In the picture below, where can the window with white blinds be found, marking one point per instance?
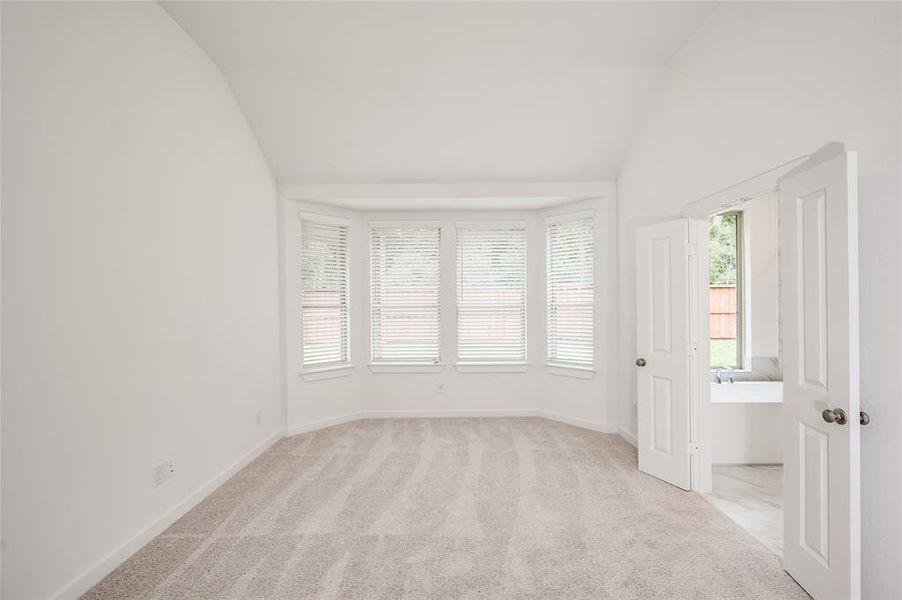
(570, 291)
(404, 288)
(324, 293)
(491, 294)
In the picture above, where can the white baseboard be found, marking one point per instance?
(105, 566)
(629, 437)
(433, 414)
(323, 423)
(408, 414)
(576, 422)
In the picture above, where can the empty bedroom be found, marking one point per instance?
(446, 299)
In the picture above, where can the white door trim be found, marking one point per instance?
(699, 372)
(739, 193)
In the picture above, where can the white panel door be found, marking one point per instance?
(821, 518)
(662, 343)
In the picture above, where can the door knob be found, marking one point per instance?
(837, 415)
(864, 418)
(640, 362)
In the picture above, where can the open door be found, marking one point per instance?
(662, 342)
(821, 519)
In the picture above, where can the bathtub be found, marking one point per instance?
(746, 422)
(747, 391)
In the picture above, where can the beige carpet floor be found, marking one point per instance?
(450, 508)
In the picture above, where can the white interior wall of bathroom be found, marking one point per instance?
(587, 402)
(760, 84)
(762, 239)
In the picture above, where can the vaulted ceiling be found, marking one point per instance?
(376, 92)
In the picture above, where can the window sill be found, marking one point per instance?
(570, 370)
(407, 367)
(492, 367)
(326, 372)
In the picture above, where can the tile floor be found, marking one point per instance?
(752, 495)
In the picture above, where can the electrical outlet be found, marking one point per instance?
(441, 388)
(259, 417)
(162, 472)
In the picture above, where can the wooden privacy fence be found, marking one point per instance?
(722, 312)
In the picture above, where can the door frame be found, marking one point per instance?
(698, 213)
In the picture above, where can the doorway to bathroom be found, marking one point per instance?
(746, 383)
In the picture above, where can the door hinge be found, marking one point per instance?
(694, 448)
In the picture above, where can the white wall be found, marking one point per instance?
(589, 402)
(140, 302)
(761, 240)
(758, 85)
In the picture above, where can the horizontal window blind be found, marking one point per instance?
(571, 292)
(404, 287)
(324, 293)
(491, 294)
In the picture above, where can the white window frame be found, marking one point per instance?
(382, 366)
(743, 295)
(489, 366)
(553, 365)
(337, 368)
